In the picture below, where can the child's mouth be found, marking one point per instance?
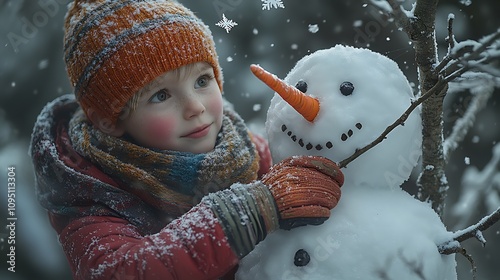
(199, 132)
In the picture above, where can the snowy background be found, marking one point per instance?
(32, 73)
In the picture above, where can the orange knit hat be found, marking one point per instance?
(115, 47)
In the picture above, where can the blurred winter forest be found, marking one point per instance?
(32, 73)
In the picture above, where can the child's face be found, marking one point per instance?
(178, 112)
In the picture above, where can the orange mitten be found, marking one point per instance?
(305, 189)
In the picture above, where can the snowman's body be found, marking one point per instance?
(377, 231)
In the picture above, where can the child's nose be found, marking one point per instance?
(193, 106)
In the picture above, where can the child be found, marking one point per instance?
(147, 174)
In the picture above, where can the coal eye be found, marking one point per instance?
(346, 88)
(302, 86)
(302, 258)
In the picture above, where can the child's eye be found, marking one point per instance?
(203, 81)
(159, 96)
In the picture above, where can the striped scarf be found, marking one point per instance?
(171, 181)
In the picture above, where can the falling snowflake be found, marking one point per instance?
(226, 23)
(313, 28)
(466, 2)
(268, 4)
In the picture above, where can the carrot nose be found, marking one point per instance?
(305, 105)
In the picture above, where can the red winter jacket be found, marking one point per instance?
(191, 247)
(112, 245)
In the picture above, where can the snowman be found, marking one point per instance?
(332, 103)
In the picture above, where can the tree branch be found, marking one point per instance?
(453, 246)
(478, 186)
(463, 252)
(400, 121)
(432, 183)
(459, 57)
(397, 13)
(450, 246)
(451, 44)
(451, 37)
(462, 125)
(475, 230)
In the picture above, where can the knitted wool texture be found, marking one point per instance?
(170, 180)
(114, 48)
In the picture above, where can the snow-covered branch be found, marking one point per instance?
(480, 79)
(394, 10)
(475, 186)
(477, 229)
(481, 95)
(455, 248)
(453, 245)
(470, 55)
(479, 186)
(451, 45)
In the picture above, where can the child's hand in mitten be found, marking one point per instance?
(305, 189)
(298, 191)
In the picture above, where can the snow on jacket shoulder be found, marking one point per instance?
(108, 233)
(191, 247)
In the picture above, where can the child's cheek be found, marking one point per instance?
(215, 106)
(160, 128)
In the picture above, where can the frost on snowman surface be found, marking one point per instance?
(269, 4)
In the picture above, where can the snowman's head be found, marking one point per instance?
(350, 96)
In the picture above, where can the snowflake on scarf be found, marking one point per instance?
(268, 4)
(225, 23)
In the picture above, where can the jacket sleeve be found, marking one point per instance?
(264, 153)
(191, 247)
